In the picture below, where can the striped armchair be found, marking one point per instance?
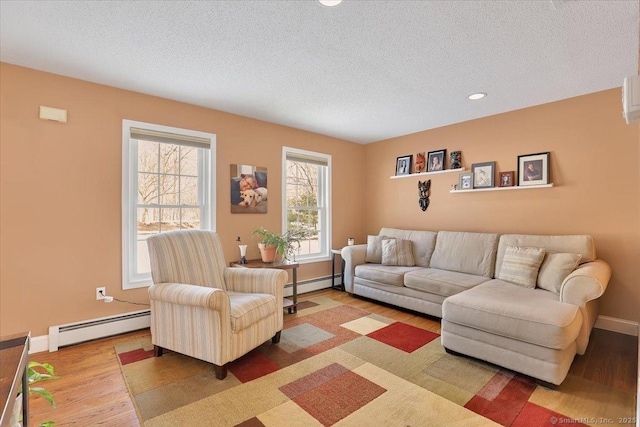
(201, 308)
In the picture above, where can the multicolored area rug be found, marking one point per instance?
(340, 365)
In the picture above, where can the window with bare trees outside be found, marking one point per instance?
(307, 187)
(167, 185)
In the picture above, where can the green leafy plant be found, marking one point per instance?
(286, 244)
(36, 376)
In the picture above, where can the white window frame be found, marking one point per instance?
(206, 184)
(324, 199)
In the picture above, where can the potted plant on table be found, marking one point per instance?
(273, 245)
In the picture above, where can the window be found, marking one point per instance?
(307, 187)
(166, 185)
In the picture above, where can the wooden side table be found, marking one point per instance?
(14, 358)
(339, 286)
(290, 304)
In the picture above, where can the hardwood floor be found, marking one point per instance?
(92, 392)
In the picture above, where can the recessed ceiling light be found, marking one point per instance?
(329, 3)
(478, 95)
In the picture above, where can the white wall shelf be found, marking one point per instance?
(524, 187)
(427, 173)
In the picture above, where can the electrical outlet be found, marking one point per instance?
(101, 296)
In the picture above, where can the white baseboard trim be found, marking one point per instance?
(309, 286)
(613, 324)
(39, 344)
(77, 332)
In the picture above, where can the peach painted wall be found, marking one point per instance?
(595, 163)
(61, 192)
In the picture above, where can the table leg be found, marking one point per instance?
(294, 284)
(25, 397)
(333, 269)
(25, 386)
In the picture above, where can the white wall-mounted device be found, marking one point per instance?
(53, 114)
(631, 99)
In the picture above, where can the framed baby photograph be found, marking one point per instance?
(483, 174)
(507, 179)
(533, 169)
(466, 181)
(403, 165)
(435, 160)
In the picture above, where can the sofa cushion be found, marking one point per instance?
(423, 242)
(530, 315)
(471, 253)
(441, 282)
(387, 274)
(249, 309)
(397, 252)
(520, 266)
(574, 244)
(374, 249)
(555, 268)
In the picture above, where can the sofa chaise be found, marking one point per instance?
(524, 302)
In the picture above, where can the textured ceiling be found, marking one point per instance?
(363, 71)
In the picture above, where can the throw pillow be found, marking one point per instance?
(374, 249)
(397, 252)
(520, 265)
(555, 268)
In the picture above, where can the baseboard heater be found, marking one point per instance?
(74, 333)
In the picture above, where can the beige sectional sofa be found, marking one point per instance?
(524, 302)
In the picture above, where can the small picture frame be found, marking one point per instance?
(533, 169)
(466, 181)
(483, 174)
(455, 160)
(435, 160)
(403, 165)
(421, 163)
(507, 179)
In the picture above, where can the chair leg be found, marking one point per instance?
(157, 351)
(221, 371)
(276, 337)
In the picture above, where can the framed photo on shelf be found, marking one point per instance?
(403, 165)
(466, 181)
(421, 163)
(483, 174)
(507, 179)
(455, 160)
(435, 160)
(533, 169)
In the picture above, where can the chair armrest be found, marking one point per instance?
(256, 280)
(193, 295)
(586, 283)
(352, 255)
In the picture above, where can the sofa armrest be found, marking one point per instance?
(352, 255)
(256, 280)
(191, 295)
(586, 283)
